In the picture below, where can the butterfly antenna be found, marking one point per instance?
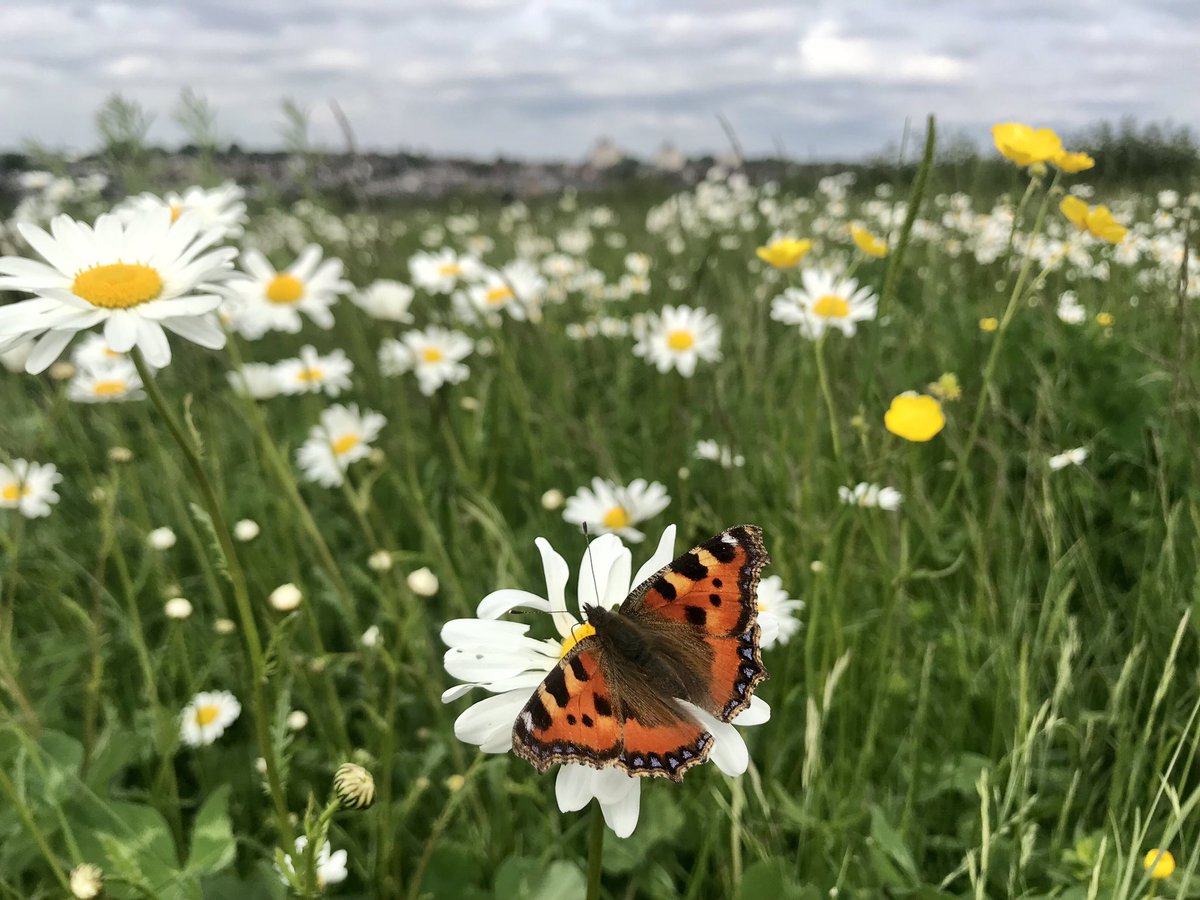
(587, 546)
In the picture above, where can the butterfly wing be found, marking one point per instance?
(712, 589)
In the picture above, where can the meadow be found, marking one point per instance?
(253, 564)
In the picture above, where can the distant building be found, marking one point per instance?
(605, 154)
(669, 159)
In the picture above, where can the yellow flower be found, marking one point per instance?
(1159, 863)
(1105, 320)
(914, 417)
(1073, 162)
(784, 253)
(868, 243)
(990, 324)
(1024, 145)
(946, 387)
(1098, 221)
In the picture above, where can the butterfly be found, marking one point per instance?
(688, 632)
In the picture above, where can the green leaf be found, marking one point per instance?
(523, 876)
(888, 840)
(765, 878)
(213, 846)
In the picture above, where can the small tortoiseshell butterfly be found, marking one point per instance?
(689, 632)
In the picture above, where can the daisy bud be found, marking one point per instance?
(377, 457)
(552, 499)
(178, 608)
(61, 371)
(87, 881)
(370, 637)
(98, 495)
(455, 783)
(816, 567)
(260, 766)
(423, 582)
(380, 561)
(286, 597)
(161, 538)
(354, 786)
(120, 454)
(317, 665)
(245, 530)
(297, 720)
(224, 626)
(684, 473)
(470, 404)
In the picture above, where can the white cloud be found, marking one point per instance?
(824, 53)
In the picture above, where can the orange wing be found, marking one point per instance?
(666, 750)
(713, 588)
(572, 716)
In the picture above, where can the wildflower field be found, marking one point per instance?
(303, 509)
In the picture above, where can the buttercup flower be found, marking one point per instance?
(312, 373)
(784, 252)
(777, 612)
(136, 279)
(1097, 221)
(265, 300)
(871, 496)
(678, 338)
(868, 243)
(989, 324)
(499, 656)
(1073, 162)
(914, 417)
(434, 355)
(386, 300)
(1160, 864)
(343, 436)
(1024, 145)
(207, 716)
(826, 300)
(29, 487)
(610, 508)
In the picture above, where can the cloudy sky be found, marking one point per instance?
(544, 78)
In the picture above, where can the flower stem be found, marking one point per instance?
(9, 790)
(241, 594)
(828, 395)
(595, 852)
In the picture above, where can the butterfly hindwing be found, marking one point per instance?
(573, 716)
(668, 749)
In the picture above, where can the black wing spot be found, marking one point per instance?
(603, 707)
(570, 719)
(556, 686)
(665, 588)
(587, 721)
(538, 714)
(696, 616)
(689, 566)
(578, 669)
(717, 582)
(722, 551)
(714, 599)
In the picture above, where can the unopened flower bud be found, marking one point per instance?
(354, 786)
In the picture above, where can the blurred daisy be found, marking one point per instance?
(207, 716)
(609, 507)
(136, 279)
(312, 373)
(29, 487)
(266, 300)
(1069, 309)
(222, 208)
(330, 867)
(871, 496)
(1075, 457)
(259, 381)
(826, 300)
(443, 271)
(110, 382)
(343, 436)
(386, 300)
(516, 289)
(678, 338)
(498, 656)
(434, 355)
(714, 452)
(777, 612)
(93, 352)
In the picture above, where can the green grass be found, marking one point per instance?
(994, 693)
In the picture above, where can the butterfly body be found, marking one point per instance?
(686, 635)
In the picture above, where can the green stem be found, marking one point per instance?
(896, 258)
(10, 791)
(241, 594)
(827, 393)
(595, 851)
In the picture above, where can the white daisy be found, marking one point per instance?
(777, 612)
(1069, 309)
(443, 271)
(679, 337)
(137, 279)
(257, 380)
(435, 355)
(826, 300)
(93, 352)
(109, 382)
(207, 716)
(312, 373)
(871, 496)
(386, 300)
(497, 655)
(330, 867)
(516, 289)
(14, 360)
(343, 436)
(219, 208)
(610, 508)
(711, 450)
(1075, 457)
(29, 487)
(265, 300)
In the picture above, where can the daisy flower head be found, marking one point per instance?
(207, 716)
(92, 352)
(608, 507)
(386, 300)
(1074, 457)
(312, 373)
(1069, 309)
(826, 300)
(777, 612)
(714, 452)
(443, 271)
(29, 487)
(343, 436)
(678, 338)
(222, 208)
(110, 382)
(139, 280)
(871, 496)
(435, 355)
(263, 299)
(516, 289)
(499, 656)
(328, 866)
(259, 381)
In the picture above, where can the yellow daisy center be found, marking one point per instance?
(831, 306)
(285, 288)
(112, 388)
(578, 633)
(450, 270)
(432, 355)
(117, 285)
(682, 339)
(498, 294)
(12, 492)
(616, 518)
(207, 714)
(310, 375)
(345, 444)
(176, 212)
